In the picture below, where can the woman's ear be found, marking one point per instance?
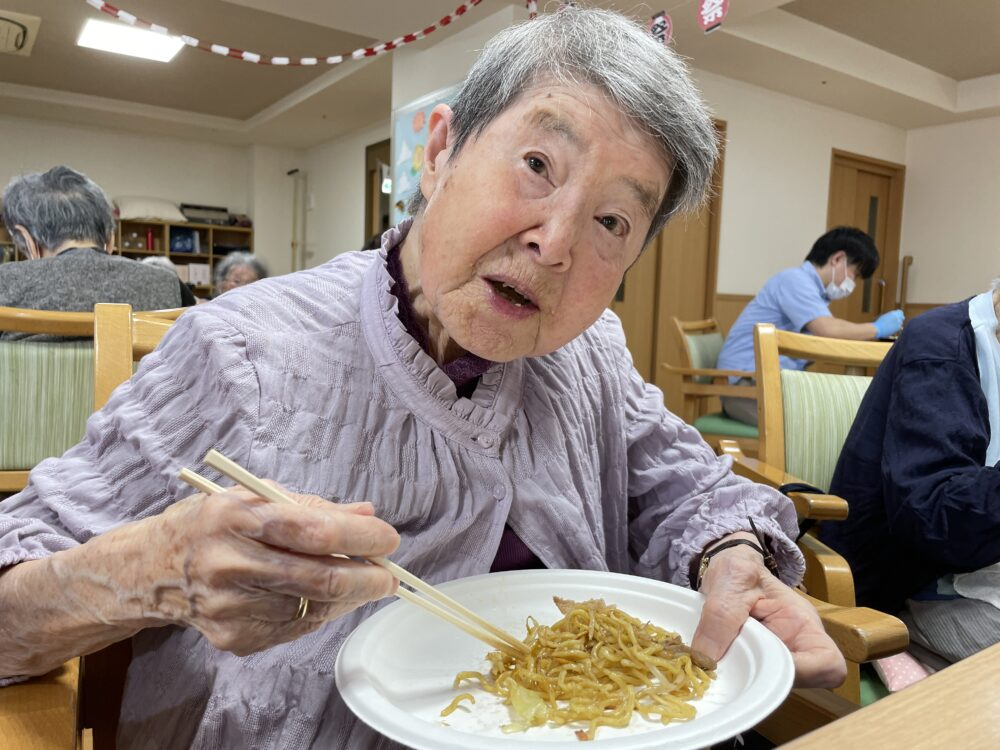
(437, 150)
(29, 242)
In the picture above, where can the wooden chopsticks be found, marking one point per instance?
(473, 624)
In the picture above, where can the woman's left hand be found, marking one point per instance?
(736, 585)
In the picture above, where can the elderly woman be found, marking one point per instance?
(237, 269)
(162, 261)
(459, 400)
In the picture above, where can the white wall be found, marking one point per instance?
(418, 70)
(248, 180)
(335, 171)
(271, 196)
(129, 164)
(777, 175)
(951, 209)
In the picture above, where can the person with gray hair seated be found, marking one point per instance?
(162, 261)
(65, 224)
(237, 269)
(461, 399)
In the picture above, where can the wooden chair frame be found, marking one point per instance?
(694, 393)
(78, 704)
(19, 320)
(769, 344)
(862, 634)
(80, 324)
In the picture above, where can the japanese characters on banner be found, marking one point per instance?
(711, 14)
(661, 27)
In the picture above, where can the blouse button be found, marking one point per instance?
(499, 491)
(485, 440)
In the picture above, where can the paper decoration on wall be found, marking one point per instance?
(661, 27)
(711, 14)
(409, 134)
(254, 57)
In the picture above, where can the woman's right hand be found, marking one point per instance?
(234, 565)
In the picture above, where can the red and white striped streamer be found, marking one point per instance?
(253, 57)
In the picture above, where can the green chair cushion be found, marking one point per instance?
(872, 687)
(819, 411)
(47, 394)
(704, 350)
(720, 424)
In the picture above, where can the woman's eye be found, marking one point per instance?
(613, 224)
(536, 165)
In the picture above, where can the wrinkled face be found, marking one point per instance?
(527, 233)
(237, 276)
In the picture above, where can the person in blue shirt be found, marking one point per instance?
(797, 299)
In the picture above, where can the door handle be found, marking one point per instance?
(880, 307)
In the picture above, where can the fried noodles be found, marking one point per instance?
(596, 666)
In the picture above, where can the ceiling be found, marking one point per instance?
(910, 63)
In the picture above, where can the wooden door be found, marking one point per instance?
(635, 304)
(868, 194)
(376, 202)
(675, 276)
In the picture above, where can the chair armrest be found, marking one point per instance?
(819, 507)
(42, 712)
(807, 505)
(828, 577)
(862, 634)
(707, 372)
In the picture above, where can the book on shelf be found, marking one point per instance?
(199, 274)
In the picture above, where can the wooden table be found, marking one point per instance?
(41, 714)
(958, 707)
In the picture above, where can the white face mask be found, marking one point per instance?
(841, 290)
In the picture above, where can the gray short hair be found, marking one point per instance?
(648, 82)
(55, 206)
(160, 261)
(235, 260)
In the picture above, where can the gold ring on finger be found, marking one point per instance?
(300, 613)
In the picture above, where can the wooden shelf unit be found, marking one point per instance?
(210, 242)
(214, 241)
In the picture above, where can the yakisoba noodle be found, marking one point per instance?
(596, 666)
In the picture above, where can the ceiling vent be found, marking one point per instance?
(18, 32)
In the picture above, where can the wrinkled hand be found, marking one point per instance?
(234, 566)
(736, 586)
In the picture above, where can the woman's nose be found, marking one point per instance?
(554, 235)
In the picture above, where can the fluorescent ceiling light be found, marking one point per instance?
(110, 36)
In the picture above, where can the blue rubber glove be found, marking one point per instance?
(889, 323)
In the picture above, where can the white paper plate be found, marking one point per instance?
(396, 670)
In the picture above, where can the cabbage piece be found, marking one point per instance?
(527, 709)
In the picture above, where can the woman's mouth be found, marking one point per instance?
(510, 293)
(511, 300)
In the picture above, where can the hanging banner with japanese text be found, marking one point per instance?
(661, 27)
(711, 14)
